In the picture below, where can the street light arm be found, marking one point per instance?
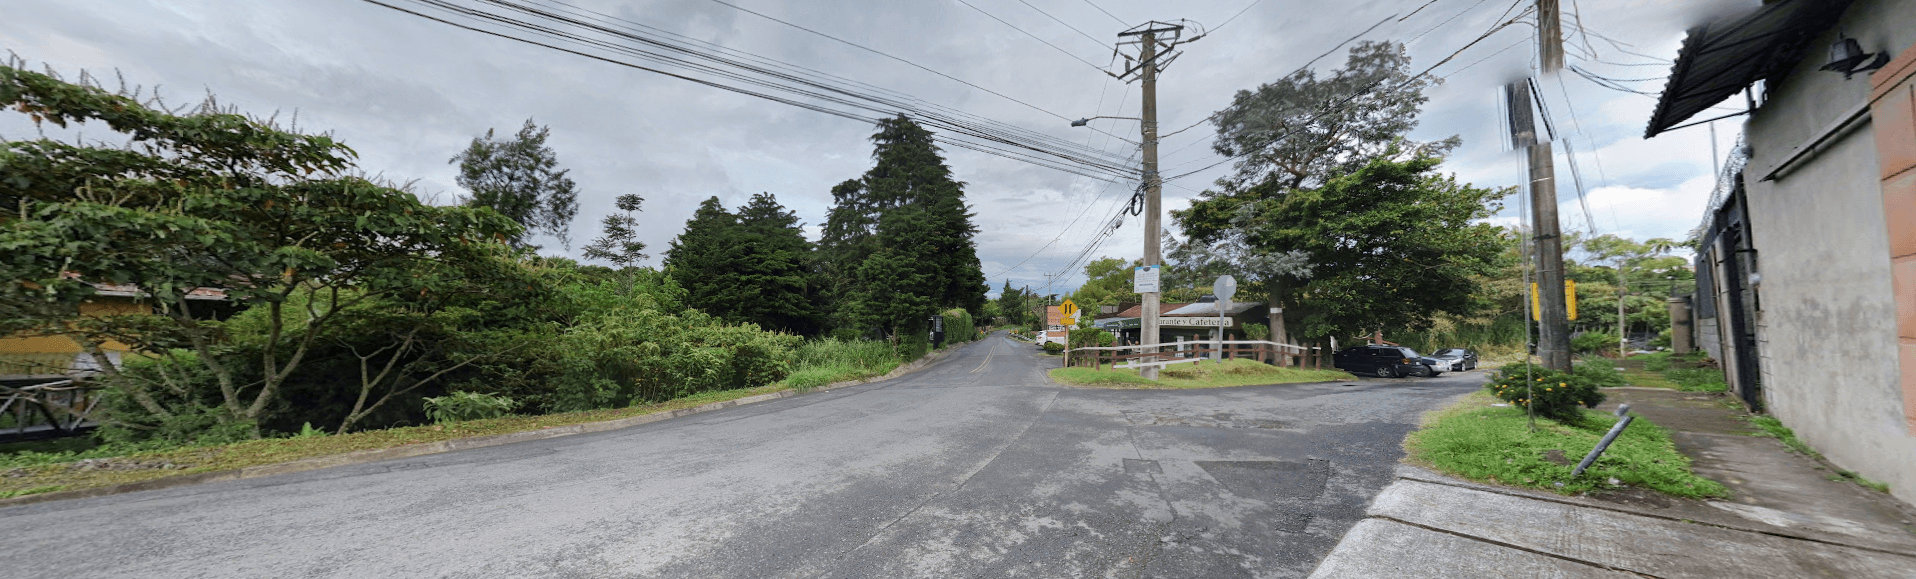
(1085, 121)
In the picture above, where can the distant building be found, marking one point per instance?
(30, 356)
(1806, 276)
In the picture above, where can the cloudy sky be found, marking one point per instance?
(407, 93)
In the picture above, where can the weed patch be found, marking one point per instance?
(1198, 375)
(1480, 442)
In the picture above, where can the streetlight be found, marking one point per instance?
(1085, 121)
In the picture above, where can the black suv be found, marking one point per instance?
(1384, 361)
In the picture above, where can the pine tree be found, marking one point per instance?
(899, 239)
(750, 266)
(772, 265)
(702, 256)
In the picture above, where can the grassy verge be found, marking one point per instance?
(1773, 428)
(77, 463)
(1481, 442)
(1689, 373)
(1198, 375)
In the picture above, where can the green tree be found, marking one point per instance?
(750, 266)
(212, 199)
(909, 215)
(1107, 282)
(520, 178)
(1392, 245)
(1014, 304)
(620, 242)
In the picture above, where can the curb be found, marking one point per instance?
(444, 446)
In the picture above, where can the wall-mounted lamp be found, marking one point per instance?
(1847, 57)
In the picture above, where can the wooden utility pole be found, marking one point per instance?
(1553, 335)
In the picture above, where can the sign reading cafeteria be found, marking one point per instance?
(1196, 322)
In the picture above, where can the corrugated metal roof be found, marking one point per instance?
(1721, 58)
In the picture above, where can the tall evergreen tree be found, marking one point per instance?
(701, 257)
(899, 240)
(749, 266)
(773, 268)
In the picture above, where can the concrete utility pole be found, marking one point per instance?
(1553, 335)
(1153, 183)
(1549, 35)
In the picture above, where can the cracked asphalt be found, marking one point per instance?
(975, 467)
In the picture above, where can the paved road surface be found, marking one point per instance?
(975, 467)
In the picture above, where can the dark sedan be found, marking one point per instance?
(1457, 359)
(1385, 361)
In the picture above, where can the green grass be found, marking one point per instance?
(1773, 428)
(824, 361)
(1480, 442)
(1198, 375)
(1688, 373)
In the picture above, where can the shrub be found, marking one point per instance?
(1657, 362)
(1593, 343)
(1698, 379)
(463, 406)
(1600, 373)
(1053, 347)
(959, 327)
(1090, 338)
(1257, 331)
(1556, 394)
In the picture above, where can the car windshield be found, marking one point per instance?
(1450, 352)
(1409, 353)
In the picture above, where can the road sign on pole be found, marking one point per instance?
(1225, 287)
(1144, 279)
(1068, 313)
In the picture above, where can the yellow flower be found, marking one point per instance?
(1560, 384)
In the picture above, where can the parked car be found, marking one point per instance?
(1456, 359)
(1386, 362)
(1052, 336)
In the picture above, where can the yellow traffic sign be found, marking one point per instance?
(1068, 312)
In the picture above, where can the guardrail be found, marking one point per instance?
(1276, 353)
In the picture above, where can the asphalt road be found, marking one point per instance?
(974, 467)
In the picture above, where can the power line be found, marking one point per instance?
(767, 79)
(1299, 69)
(1114, 17)
(1227, 21)
(1100, 43)
(1035, 37)
(1338, 106)
(881, 53)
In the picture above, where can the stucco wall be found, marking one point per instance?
(1827, 317)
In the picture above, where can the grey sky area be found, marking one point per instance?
(407, 93)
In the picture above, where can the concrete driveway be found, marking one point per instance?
(975, 467)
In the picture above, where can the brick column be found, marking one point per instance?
(1893, 116)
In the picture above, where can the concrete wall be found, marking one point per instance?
(1826, 322)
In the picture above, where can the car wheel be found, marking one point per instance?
(1386, 372)
(1427, 372)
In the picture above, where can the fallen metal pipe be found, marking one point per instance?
(1622, 412)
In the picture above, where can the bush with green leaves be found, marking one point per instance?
(1053, 347)
(1552, 394)
(464, 406)
(1593, 343)
(959, 327)
(1600, 372)
(1089, 338)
